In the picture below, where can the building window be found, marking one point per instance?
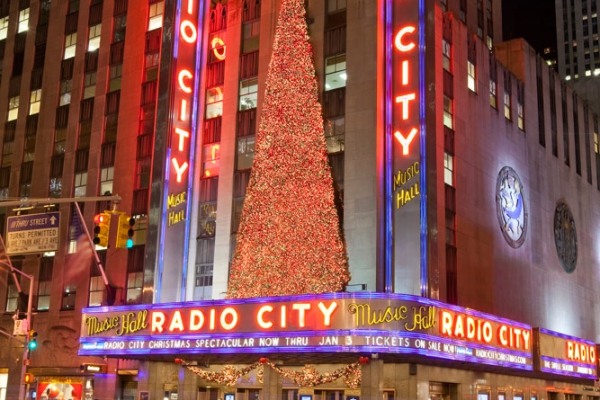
(45, 283)
(3, 28)
(248, 94)
(447, 56)
(507, 105)
(135, 274)
(65, 92)
(520, 117)
(13, 108)
(335, 72)
(214, 102)
(471, 78)
(70, 45)
(89, 85)
(155, 16)
(251, 39)
(143, 169)
(448, 115)
(448, 169)
(106, 180)
(115, 73)
(335, 5)
(96, 291)
(35, 100)
(23, 20)
(211, 157)
(245, 152)
(80, 184)
(94, 37)
(493, 97)
(335, 130)
(12, 298)
(68, 297)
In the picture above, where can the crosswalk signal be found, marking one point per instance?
(32, 344)
(125, 232)
(28, 379)
(102, 229)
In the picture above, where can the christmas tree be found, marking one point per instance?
(289, 238)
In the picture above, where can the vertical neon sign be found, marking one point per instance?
(405, 266)
(180, 154)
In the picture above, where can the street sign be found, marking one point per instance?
(34, 233)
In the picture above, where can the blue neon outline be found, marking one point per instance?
(388, 154)
(423, 148)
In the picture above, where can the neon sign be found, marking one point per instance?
(180, 152)
(565, 355)
(339, 322)
(404, 151)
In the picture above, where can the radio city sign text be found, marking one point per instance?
(317, 315)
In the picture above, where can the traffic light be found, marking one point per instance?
(28, 379)
(125, 232)
(102, 229)
(32, 344)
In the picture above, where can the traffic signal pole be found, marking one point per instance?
(110, 290)
(13, 270)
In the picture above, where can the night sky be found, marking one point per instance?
(533, 20)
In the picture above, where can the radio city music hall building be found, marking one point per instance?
(469, 179)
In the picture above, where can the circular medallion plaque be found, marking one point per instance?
(565, 237)
(510, 207)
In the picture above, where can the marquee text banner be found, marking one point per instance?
(561, 354)
(342, 322)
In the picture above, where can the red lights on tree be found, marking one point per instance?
(289, 239)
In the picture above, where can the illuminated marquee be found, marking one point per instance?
(342, 322)
(565, 355)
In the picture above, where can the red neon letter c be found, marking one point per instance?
(399, 45)
(183, 74)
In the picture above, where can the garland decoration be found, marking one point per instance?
(308, 376)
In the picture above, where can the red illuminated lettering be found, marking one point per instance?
(183, 134)
(196, 320)
(176, 322)
(188, 31)
(401, 46)
(179, 169)
(581, 352)
(184, 74)
(404, 99)
(259, 317)
(158, 320)
(301, 308)
(327, 311)
(183, 111)
(233, 316)
(405, 141)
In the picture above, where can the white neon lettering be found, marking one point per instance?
(404, 99)
(259, 317)
(405, 73)
(158, 320)
(405, 142)
(183, 74)
(327, 311)
(176, 322)
(184, 28)
(196, 320)
(183, 111)
(180, 170)
(183, 134)
(234, 318)
(401, 46)
(301, 313)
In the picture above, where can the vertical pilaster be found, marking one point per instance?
(372, 380)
